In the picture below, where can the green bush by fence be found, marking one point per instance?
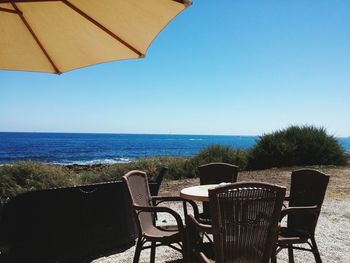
(28, 176)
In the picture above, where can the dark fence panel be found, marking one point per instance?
(66, 224)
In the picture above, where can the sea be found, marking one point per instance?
(89, 149)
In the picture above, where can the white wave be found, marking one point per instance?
(97, 161)
(195, 139)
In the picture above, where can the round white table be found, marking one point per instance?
(197, 193)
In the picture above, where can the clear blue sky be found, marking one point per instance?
(221, 67)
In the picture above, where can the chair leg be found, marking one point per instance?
(290, 254)
(315, 251)
(185, 249)
(274, 254)
(191, 240)
(274, 258)
(153, 252)
(138, 250)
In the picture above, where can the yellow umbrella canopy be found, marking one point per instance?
(60, 35)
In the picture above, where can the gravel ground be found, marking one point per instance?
(332, 232)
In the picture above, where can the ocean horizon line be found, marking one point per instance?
(131, 133)
(134, 133)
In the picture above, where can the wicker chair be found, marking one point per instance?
(244, 223)
(215, 173)
(144, 211)
(307, 191)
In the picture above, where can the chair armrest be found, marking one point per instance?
(299, 210)
(167, 198)
(162, 199)
(191, 221)
(161, 209)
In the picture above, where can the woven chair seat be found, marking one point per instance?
(287, 240)
(156, 233)
(289, 232)
(288, 236)
(171, 228)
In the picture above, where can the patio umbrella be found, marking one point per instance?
(60, 35)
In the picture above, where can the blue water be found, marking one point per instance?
(74, 148)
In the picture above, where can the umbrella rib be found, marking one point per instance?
(25, 1)
(20, 13)
(106, 30)
(184, 2)
(8, 10)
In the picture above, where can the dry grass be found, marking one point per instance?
(338, 187)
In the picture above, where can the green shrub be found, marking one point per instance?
(178, 169)
(28, 176)
(296, 145)
(216, 153)
(219, 153)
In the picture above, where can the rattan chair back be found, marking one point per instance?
(156, 183)
(214, 173)
(308, 188)
(139, 193)
(245, 221)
